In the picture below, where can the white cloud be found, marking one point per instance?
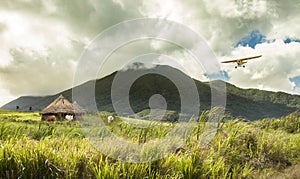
(167, 9)
(31, 35)
(221, 23)
(35, 52)
(184, 61)
(5, 96)
(270, 72)
(224, 23)
(44, 38)
(41, 41)
(234, 9)
(50, 7)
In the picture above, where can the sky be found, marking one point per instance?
(41, 41)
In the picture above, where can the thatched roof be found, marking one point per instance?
(62, 105)
(78, 109)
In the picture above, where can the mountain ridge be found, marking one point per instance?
(252, 104)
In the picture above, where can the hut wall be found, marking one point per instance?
(45, 116)
(58, 116)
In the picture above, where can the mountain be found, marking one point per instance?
(252, 104)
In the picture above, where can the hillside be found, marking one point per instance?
(252, 104)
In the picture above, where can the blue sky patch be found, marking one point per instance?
(289, 40)
(221, 75)
(296, 80)
(251, 40)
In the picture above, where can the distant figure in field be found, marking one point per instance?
(30, 108)
(50, 118)
(110, 119)
(17, 107)
(69, 117)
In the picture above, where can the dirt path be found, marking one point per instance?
(292, 172)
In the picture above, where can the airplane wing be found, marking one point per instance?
(249, 58)
(230, 61)
(242, 59)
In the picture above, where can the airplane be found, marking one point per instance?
(240, 62)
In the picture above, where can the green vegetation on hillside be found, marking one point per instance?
(260, 95)
(252, 104)
(36, 149)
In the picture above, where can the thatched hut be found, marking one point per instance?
(61, 108)
(78, 109)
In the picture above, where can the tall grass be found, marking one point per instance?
(290, 123)
(35, 149)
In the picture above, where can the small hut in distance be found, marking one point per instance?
(62, 109)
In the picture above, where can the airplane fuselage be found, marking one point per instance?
(240, 63)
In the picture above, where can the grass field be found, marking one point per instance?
(30, 148)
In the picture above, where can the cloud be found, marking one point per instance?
(272, 71)
(230, 26)
(219, 29)
(237, 9)
(224, 23)
(41, 40)
(35, 52)
(5, 96)
(86, 18)
(31, 73)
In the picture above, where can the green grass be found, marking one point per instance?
(290, 123)
(18, 116)
(36, 149)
